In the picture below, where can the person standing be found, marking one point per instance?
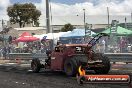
(4, 52)
(97, 48)
(103, 46)
(122, 45)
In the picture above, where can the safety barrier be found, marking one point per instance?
(26, 56)
(120, 57)
(114, 57)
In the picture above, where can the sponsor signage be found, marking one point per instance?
(103, 79)
(87, 29)
(88, 32)
(113, 29)
(114, 26)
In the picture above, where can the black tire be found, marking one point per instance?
(70, 67)
(105, 69)
(35, 65)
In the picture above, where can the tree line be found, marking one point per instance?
(28, 14)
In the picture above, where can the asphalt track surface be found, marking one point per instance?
(20, 76)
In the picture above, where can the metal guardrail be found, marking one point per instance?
(26, 56)
(120, 57)
(114, 57)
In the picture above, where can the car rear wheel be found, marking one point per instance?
(106, 66)
(70, 67)
(35, 65)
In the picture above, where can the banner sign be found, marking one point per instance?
(114, 26)
(103, 79)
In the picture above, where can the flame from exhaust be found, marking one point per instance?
(81, 71)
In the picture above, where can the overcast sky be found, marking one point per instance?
(73, 7)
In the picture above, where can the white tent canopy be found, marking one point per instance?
(78, 33)
(54, 36)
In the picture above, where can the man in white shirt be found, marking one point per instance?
(103, 46)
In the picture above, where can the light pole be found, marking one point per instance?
(47, 17)
(125, 22)
(131, 17)
(84, 24)
(2, 23)
(108, 16)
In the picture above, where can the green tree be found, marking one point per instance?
(67, 27)
(24, 14)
